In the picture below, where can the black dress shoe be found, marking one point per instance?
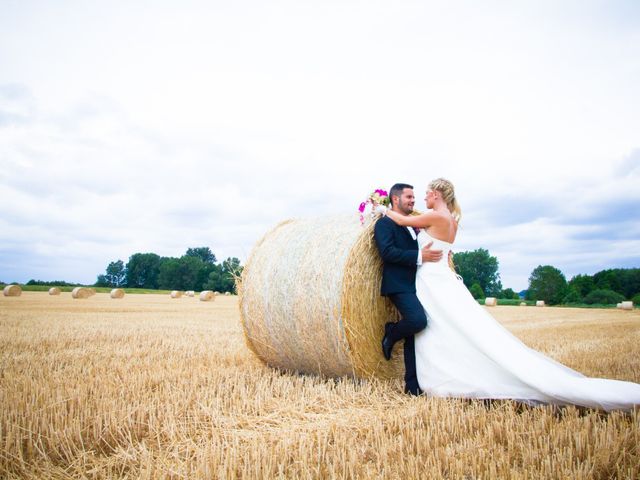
(387, 343)
(413, 390)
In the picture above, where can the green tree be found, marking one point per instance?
(608, 280)
(203, 275)
(509, 293)
(203, 253)
(625, 281)
(215, 280)
(53, 283)
(603, 297)
(222, 277)
(115, 275)
(142, 270)
(630, 282)
(231, 269)
(476, 291)
(572, 296)
(479, 267)
(547, 283)
(180, 273)
(583, 284)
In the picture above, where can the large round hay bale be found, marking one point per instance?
(540, 303)
(54, 291)
(207, 296)
(491, 301)
(117, 293)
(12, 291)
(523, 304)
(92, 291)
(626, 305)
(82, 292)
(176, 294)
(310, 299)
(190, 293)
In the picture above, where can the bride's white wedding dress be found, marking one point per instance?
(464, 352)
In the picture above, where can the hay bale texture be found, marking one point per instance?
(117, 293)
(207, 296)
(540, 303)
(12, 291)
(82, 292)
(626, 305)
(310, 300)
(54, 291)
(189, 293)
(176, 294)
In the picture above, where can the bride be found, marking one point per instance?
(465, 352)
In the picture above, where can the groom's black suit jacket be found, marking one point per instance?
(399, 252)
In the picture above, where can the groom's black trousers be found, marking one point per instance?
(413, 319)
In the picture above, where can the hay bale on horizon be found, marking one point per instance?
(626, 305)
(207, 296)
(82, 292)
(190, 293)
(523, 304)
(540, 303)
(117, 293)
(216, 293)
(12, 290)
(490, 301)
(310, 299)
(54, 291)
(176, 294)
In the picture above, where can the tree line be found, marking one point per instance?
(609, 286)
(196, 270)
(479, 271)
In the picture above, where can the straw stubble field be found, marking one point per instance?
(153, 387)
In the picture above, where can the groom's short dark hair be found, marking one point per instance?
(397, 190)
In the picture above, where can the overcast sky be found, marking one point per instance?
(133, 126)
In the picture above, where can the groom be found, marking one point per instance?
(398, 247)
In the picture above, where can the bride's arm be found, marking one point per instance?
(423, 220)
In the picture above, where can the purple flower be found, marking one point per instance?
(381, 192)
(362, 207)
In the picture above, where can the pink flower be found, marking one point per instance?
(362, 207)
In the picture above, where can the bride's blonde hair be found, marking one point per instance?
(445, 187)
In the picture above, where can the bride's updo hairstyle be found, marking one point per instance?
(445, 187)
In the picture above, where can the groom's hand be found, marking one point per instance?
(429, 255)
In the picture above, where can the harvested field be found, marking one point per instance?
(148, 387)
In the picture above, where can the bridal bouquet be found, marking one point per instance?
(377, 197)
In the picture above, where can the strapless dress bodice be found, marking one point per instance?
(443, 264)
